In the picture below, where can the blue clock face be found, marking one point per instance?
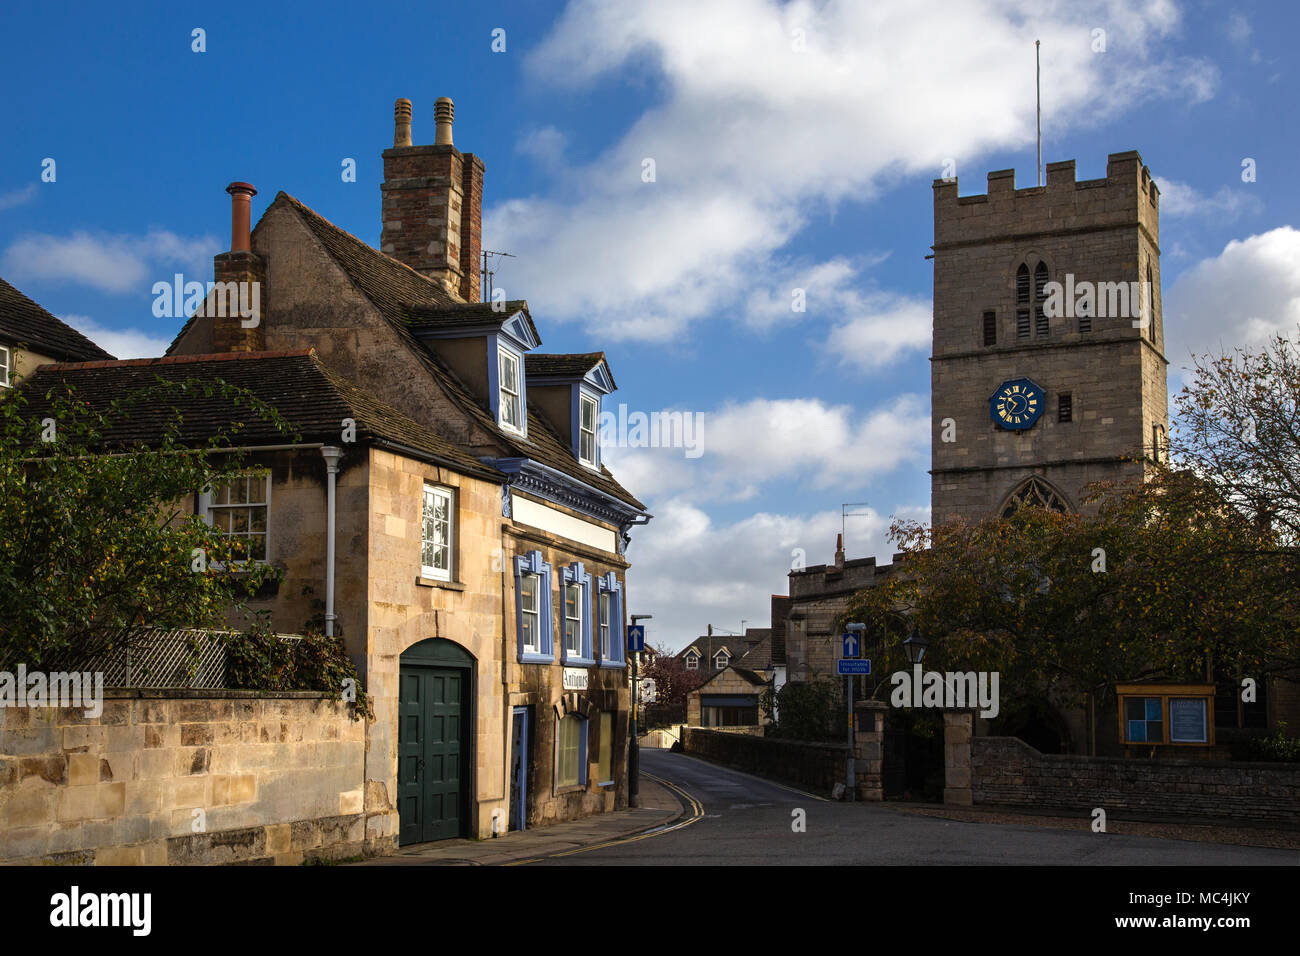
(1017, 404)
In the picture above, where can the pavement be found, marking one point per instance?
(659, 808)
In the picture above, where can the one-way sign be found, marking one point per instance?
(854, 667)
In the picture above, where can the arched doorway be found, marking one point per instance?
(435, 751)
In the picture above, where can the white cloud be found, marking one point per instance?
(753, 140)
(545, 144)
(18, 197)
(110, 263)
(889, 326)
(124, 343)
(745, 447)
(689, 571)
(1242, 296)
(1180, 200)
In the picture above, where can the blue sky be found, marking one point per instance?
(794, 148)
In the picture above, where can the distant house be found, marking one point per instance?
(30, 336)
(715, 652)
(732, 696)
(729, 699)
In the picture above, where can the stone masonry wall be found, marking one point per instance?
(1008, 772)
(815, 767)
(227, 777)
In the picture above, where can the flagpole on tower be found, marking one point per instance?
(1038, 96)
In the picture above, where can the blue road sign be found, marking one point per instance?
(854, 667)
(636, 637)
(850, 645)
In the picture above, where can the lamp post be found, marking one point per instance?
(633, 751)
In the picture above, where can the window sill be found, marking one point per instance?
(424, 582)
(571, 788)
(579, 662)
(607, 783)
(532, 657)
(614, 665)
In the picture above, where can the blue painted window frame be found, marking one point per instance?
(611, 585)
(576, 574)
(532, 563)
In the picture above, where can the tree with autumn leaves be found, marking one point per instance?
(1191, 575)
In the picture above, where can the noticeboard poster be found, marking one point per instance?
(1187, 720)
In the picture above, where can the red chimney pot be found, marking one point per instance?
(241, 197)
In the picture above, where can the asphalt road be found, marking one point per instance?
(745, 820)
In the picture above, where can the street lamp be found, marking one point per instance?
(633, 751)
(915, 646)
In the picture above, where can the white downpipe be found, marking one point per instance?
(331, 456)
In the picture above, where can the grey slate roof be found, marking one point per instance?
(23, 321)
(563, 365)
(310, 396)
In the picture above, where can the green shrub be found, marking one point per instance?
(259, 660)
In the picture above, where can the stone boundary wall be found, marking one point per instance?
(183, 777)
(1008, 772)
(812, 766)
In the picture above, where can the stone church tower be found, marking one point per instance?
(1048, 366)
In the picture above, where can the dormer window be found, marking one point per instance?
(692, 662)
(721, 660)
(509, 406)
(588, 409)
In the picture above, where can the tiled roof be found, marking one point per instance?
(386, 282)
(400, 293)
(758, 657)
(573, 365)
(708, 645)
(310, 396)
(22, 320)
(474, 314)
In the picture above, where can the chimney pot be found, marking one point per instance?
(443, 111)
(402, 123)
(241, 198)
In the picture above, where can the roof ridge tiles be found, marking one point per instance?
(182, 359)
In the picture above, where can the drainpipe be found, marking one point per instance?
(331, 456)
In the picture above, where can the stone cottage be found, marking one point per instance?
(445, 498)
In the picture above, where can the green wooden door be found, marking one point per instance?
(431, 751)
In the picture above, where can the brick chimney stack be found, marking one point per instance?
(839, 551)
(241, 283)
(433, 204)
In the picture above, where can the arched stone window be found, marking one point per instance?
(1034, 492)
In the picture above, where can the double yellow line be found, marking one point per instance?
(695, 810)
